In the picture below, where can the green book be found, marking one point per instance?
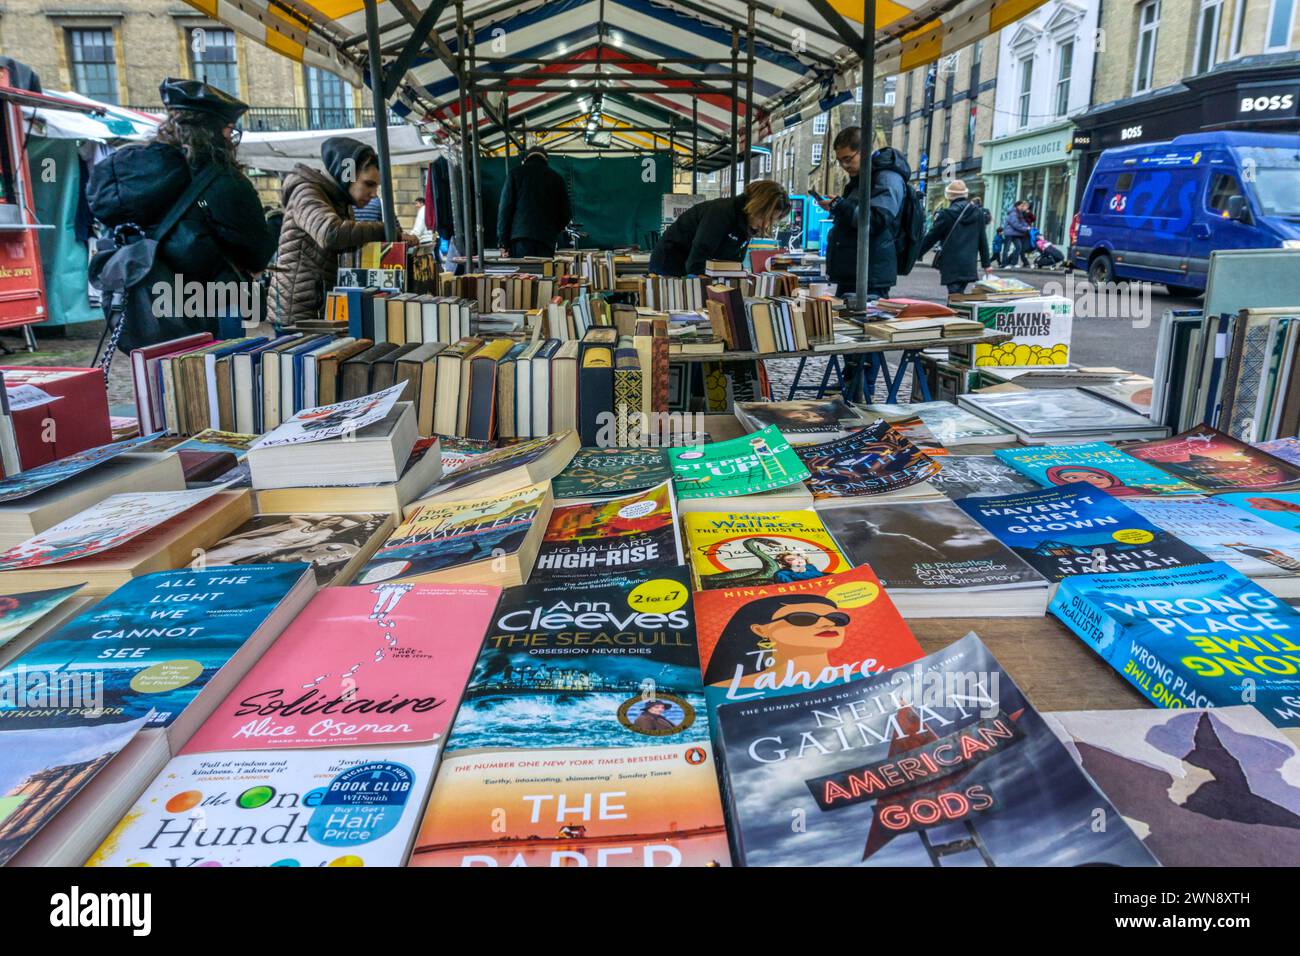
(611, 471)
(752, 464)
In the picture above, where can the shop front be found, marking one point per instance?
(1037, 166)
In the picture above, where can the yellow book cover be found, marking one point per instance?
(730, 550)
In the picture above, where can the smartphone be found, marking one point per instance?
(816, 195)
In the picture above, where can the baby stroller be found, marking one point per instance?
(1049, 257)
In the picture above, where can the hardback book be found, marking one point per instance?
(1201, 787)
(507, 371)
(482, 418)
(453, 372)
(1281, 508)
(628, 382)
(1215, 461)
(949, 424)
(1191, 637)
(751, 464)
(353, 654)
(423, 468)
(1098, 464)
(905, 308)
(742, 550)
(490, 540)
(1288, 449)
(542, 390)
(772, 640)
(1061, 532)
(329, 370)
(147, 387)
(874, 461)
(247, 369)
(803, 420)
(216, 456)
(335, 545)
(384, 372)
(595, 388)
(564, 386)
(356, 372)
(1053, 415)
(515, 466)
(375, 452)
(346, 806)
(978, 476)
(595, 472)
(920, 329)
(941, 762)
(630, 533)
(26, 616)
(937, 562)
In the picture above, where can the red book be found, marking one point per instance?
(1215, 461)
(79, 420)
(148, 403)
(913, 308)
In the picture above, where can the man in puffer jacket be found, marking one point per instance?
(319, 224)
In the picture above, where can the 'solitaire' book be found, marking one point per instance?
(611, 471)
(875, 460)
(776, 639)
(1061, 531)
(1215, 461)
(1094, 463)
(942, 762)
(770, 547)
(631, 533)
(751, 464)
(360, 666)
(1202, 636)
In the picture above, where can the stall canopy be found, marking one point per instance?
(284, 150)
(109, 124)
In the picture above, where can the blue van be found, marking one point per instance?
(1156, 211)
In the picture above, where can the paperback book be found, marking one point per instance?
(876, 460)
(755, 463)
(1051, 415)
(335, 545)
(1288, 449)
(729, 550)
(611, 471)
(978, 476)
(801, 421)
(948, 423)
(632, 533)
(14, 487)
(1281, 508)
(1094, 463)
(515, 466)
(1215, 461)
(20, 613)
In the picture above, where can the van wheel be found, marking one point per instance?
(1184, 291)
(1101, 270)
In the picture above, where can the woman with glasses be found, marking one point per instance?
(719, 229)
(788, 633)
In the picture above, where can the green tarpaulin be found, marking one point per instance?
(56, 184)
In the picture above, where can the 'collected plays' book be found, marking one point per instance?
(978, 476)
(877, 460)
(751, 464)
(942, 762)
(1215, 461)
(728, 549)
(631, 533)
(1095, 463)
(611, 471)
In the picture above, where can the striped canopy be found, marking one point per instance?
(579, 55)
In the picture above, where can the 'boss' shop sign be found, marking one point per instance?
(1267, 102)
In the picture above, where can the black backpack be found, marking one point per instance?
(911, 230)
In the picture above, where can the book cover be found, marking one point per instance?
(927, 546)
(873, 461)
(978, 476)
(499, 461)
(948, 423)
(1282, 508)
(1216, 787)
(1224, 532)
(1060, 532)
(745, 550)
(326, 542)
(1191, 637)
(777, 639)
(355, 806)
(18, 612)
(942, 762)
(1210, 459)
(148, 648)
(611, 471)
(333, 421)
(359, 666)
(435, 537)
(802, 419)
(1055, 411)
(1095, 463)
(1288, 449)
(632, 533)
(761, 461)
(13, 487)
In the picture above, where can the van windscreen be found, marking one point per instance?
(1273, 172)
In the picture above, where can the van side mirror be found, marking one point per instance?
(1237, 209)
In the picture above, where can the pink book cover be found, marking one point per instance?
(381, 664)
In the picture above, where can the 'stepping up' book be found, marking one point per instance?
(1093, 463)
(752, 464)
(729, 550)
(1210, 459)
(876, 460)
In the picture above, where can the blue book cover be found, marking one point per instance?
(1097, 464)
(153, 644)
(1062, 531)
(1202, 636)
(1282, 508)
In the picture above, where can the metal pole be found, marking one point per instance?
(465, 225)
(868, 128)
(695, 145)
(927, 127)
(478, 173)
(749, 97)
(735, 94)
(380, 105)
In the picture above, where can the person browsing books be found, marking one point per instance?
(719, 229)
(534, 208)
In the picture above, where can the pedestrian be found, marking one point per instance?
(889, 175)
(419, 227)
(958, 229)
(998, 242)
(221, 235)
(979, 201)
(319, 224)
(719, 229)
(1015, 230)
(534, 208)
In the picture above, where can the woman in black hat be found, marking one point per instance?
(221, 236)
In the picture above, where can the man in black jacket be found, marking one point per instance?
(959, 230)
(534, 208)
(889, 175)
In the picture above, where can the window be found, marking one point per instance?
(94, 67)
(1280, 16)
(1148, 26)
(891, 88)
(329, 100)
(767, 164)
(970, 133)
(816, 154)
(1064, 68)
(1222, 188)
(1026, 89)
(1207, 35)
(1237, 22)
(212, 58)
(819, 124)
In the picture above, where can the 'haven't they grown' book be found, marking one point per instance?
(941, 762)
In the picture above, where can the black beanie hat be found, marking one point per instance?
(335, 153)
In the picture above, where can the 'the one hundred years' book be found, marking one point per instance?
(611, 471)
(978, 476)
(1094, 463)
(1060, 531)
(1202, 636)
(942, 762)
(1210, 459)
(776, 639)
(876, 460)
(746, 549)
(751, 464)
(632, 533)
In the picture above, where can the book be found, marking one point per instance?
(875, 460)
(515, 466)
(492, 540)
(1191, 637)
(611, 471)
(1061, 532)
(1288, 449)
(804, 420)
(335, 545)
(794, 497)
(751, 464)
(1093, 463)
(940, 762)
(730, 550)
(375, 452)
(1052, 415)
(146, 387)
(978, 476)
(423, 468)
(357, 667)
(937, 562)
(1281, 508)
(595, 388)
(949, 424)
(50, 475)
(25, 616)
(1210, 459)
(926, 329)
(355, 372)
(778, 639)
(630, 533)
(1201, 787)
(483, 364)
